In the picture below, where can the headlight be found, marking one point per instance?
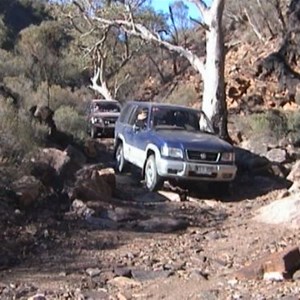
(228, 157)
(96, 120)
(171, 152)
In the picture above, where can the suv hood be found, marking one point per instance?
(192, 140)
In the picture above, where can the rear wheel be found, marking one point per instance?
(152, 179)
(121, 162)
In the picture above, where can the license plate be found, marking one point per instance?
(204, 170)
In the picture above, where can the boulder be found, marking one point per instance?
(28, 189)
(260, 144)
(253, 163)
(276, 266)
(92, 184)
(81, 209)
(109, 175)
(294, 175)
(54, 158)
(277, 155)
(75, 155)
(46, 174)
(284, 212)
(53, 166)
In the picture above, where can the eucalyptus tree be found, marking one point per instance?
(107, 50)
(211, 67)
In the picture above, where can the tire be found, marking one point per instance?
(120, 160)
(152, 180)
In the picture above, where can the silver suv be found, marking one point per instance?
(102, 116)
(165, 142)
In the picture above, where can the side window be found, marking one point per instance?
(140, 117)
(125, 113)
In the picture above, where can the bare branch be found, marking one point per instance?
(119, 84)
(144, 33)
(103, 89)
(176, 37)
(253, 26)
(203, 25)
(81, 9)
(265, 15)
(203, 9)
(125, 59)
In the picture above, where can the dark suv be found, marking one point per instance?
(102, 116)
(165, 142)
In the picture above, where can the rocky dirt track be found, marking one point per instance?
(144, 246)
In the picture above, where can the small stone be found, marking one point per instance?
(232, 282)
(120, 296)
(123, 282)
(95, 295)
(37, 297)
(93, 272)
(122, 271)
(143, 275)
(273, 276)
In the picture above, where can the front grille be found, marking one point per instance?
(109, 121)
(202, 156)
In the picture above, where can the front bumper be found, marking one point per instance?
(104, 129)
(195, 170)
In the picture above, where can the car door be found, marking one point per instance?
(128, 134)
(140, 135)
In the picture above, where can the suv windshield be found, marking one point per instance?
(107, 107)
(176, 118)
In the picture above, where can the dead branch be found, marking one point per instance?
(253, 26)
(119, 84)
(203, 9)
(144, 33)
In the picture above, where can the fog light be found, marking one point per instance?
(227, 175)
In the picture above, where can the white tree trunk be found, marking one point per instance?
(101, 89)
(214, 98)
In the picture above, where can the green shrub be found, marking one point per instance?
(18, 136)
(272, 122)
(294, 126)
(68, 120)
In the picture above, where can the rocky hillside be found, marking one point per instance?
(246, 90)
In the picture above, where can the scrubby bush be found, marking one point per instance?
(294, 126)
(68, 120)
(183, 94)
(18, 136)
(273, 122)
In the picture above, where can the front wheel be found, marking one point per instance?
(121, 162)
(152, 179)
